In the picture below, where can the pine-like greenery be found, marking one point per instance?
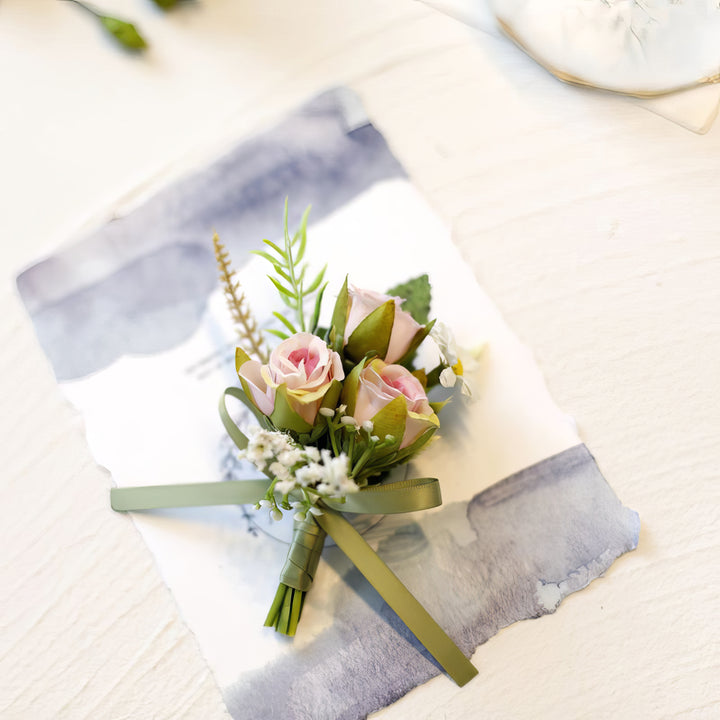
(289, 278)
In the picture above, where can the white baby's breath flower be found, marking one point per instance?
(285, 486)
(310, 475)
(326, 412)
(348, 420)
(262, 446)
(294, 467)
(281, 442)
(349, 487)
(257, 459)
(312, 453)
(290, 457)
(280, 471)
(367, 426)
(335, 471)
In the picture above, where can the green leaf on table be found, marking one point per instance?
(417, 296)
(124, 32)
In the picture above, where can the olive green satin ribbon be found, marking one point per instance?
(398, 497)
(152, 497)
(405, 496)
(398, 597)
(304, 557)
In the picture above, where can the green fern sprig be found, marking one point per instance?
(240, 312)
(289, 278)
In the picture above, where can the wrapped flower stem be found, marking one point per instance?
(297, 575)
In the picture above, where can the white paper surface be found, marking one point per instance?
(151, 420)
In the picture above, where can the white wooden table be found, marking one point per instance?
(594, 224)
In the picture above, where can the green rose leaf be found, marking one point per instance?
(417, 294)
(166, 4)
(283, 417)
(241, 357)
(390, 420)
(373, 333)
(411, 450)
(350, 387)
(332, 395)
(339, 318)
(439, 405)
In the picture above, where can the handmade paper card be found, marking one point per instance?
(135, 324)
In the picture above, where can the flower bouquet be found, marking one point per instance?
(337, 408)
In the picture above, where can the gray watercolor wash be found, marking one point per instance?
(513, 552)
(79, 300)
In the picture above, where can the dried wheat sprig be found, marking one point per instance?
(240, 312)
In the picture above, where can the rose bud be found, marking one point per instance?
(303, 366)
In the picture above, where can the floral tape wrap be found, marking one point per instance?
(309, 535)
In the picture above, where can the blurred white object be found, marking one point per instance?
(665, 53)
(639, 48)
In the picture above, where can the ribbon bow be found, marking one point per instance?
(308, 538)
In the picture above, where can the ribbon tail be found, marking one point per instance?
(398, 597)
(153, 497)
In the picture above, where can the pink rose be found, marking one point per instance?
(362, 302)
(379, 384)
(305, 365)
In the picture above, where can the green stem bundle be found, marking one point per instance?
(296, 576)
